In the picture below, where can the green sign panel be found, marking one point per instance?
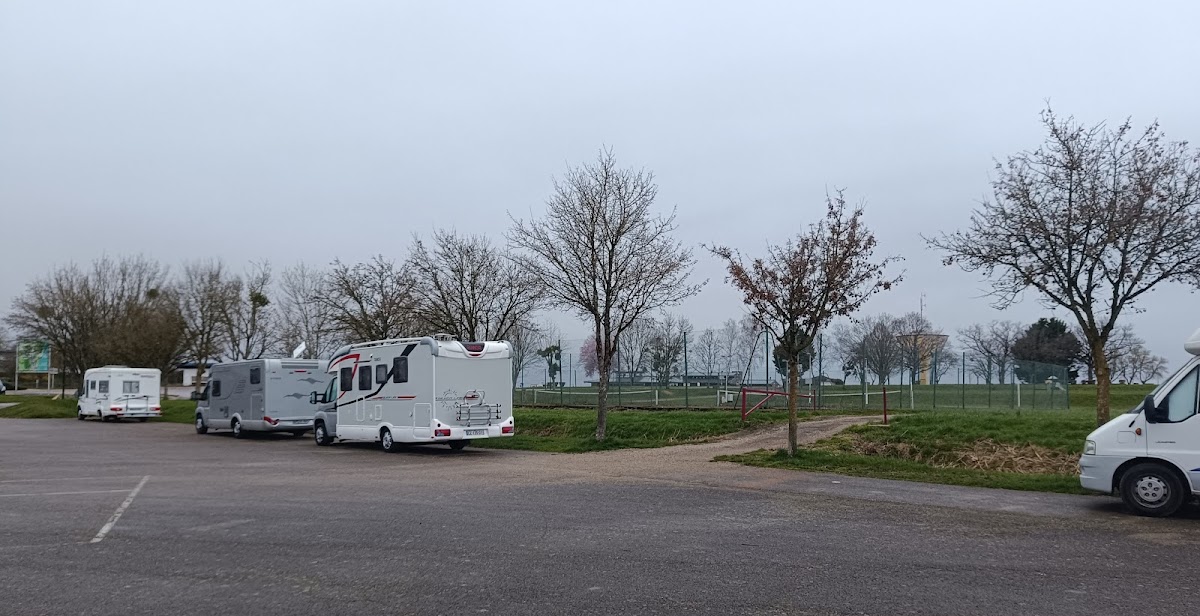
(33, 356)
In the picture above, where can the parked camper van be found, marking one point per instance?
(1151, 455)
(416, 390)
(260, 395)
(119, 392)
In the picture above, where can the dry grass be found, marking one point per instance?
(984, 455)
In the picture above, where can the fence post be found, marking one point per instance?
(685, 371)
(964, 380)
(936, 360)
(989, 381)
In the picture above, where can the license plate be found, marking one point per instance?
(476, 432)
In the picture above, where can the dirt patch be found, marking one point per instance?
(986, 455)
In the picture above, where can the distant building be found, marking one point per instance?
(188, 369)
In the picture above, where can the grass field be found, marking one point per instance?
(43, 407)
(1000, 449)
(573, 430)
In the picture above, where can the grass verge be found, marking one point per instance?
(842, 463)
(573, 430)
(1027, 451)
(44, 407)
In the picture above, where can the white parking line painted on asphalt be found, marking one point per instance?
(120, 510)
(63, 493)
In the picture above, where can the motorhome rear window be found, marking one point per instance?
(130, 387)
(364, 379)
(381, 374)
(216, 389)
(400, 370)
(103, 387)
(346, 379)
(255, 376)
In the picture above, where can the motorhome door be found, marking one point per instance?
(1178, 437)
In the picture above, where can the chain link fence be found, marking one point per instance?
(689, 379)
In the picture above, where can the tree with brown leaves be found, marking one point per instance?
(799, 287)
(602, 252)
(1091, 221)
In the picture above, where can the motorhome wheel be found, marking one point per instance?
(385, 440)
(236, 426)
(320, 435)
(80, 416)
(456, 445)
(1152, 490)
(143, 419)
(201, 428)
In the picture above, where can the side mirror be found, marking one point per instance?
(312, 397)
(1153, 413)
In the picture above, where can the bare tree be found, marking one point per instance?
(989, 348)
(603, 253)
(303, 319)
(707, 353)
(469, 288)
(869, 347)
(205, 292)
(371, 301)
(633, 350)
(1092, 220)
(1142, 366)
(736, 343)
(249, 320)
(1121, 342)
(149, 333)
(801, 286)
(77, 311)
(666, 346)
(526, 338)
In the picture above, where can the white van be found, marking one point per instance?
(416, 390)
(119, 392)
(1151, 455)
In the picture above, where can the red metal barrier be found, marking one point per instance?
(768, 394)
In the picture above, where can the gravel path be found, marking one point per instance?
(692, 462)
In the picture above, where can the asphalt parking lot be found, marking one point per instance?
(153, 519)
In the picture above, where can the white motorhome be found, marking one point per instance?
(1151, 455)
(118, 392)
(416, 390)
(259, 395)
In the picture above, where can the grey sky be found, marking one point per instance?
(288, 130)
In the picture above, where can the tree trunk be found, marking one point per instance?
(199, 373)
(1103, 381)
(604, 361)
(793, 400)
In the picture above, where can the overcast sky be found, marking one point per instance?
(288, 130)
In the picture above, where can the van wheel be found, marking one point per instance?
(236, 426)
(456, 445)
(387, 442)
(1152, 490)
(320, 435)
(201, 427)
